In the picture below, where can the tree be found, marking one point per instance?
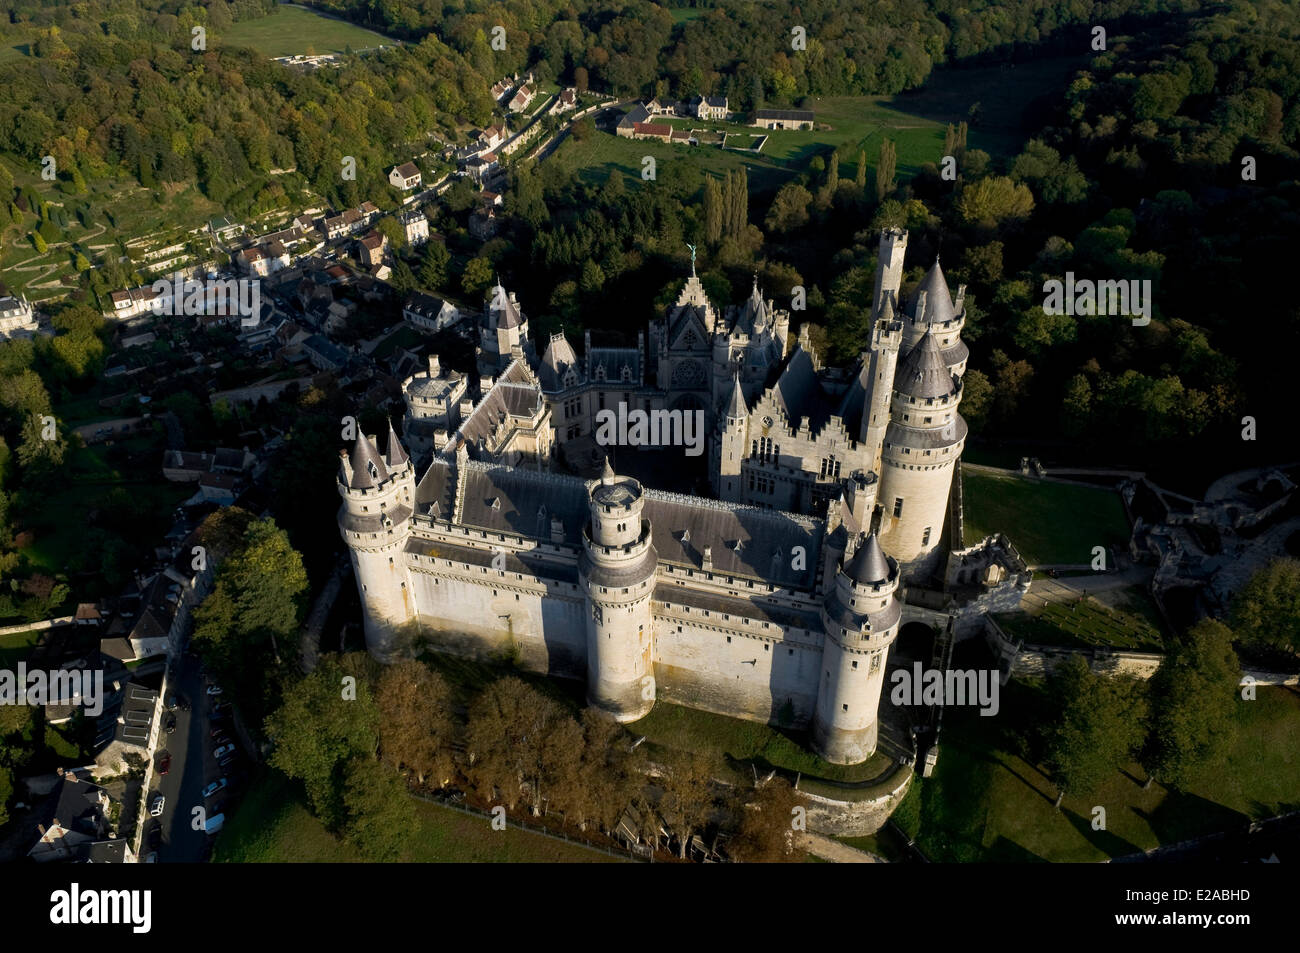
(433, 267)
(508, 744)
(766, 829)
(403, 279)
(994, 200)
(477, 277)
(687, 801)
(789, 208)
(1193, 705)
(833, 173)
(1100, 726)
(1266, 611)
(39, 243)
(247, 626)
(713, 211)
(380, 815)
(416, 726)
(860, 175)
(885, 183)
(580, 79)
(976, 398)
(392, 229)
(318, 730)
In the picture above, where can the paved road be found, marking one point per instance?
(192, 768)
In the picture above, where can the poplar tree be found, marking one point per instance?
(885, 171)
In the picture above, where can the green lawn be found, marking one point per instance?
(292, 30)
(984, 803)
(1088, 623)
(1050, 523)
(17, 647)
(272, 825)
(737, 743)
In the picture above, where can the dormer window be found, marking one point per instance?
(374, 471)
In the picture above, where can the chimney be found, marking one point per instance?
(435, 369)
(557, 530)
(920, 307)
(707, 562)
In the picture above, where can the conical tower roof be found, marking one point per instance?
(368, 469)
(396, 456)
(923, 372)
(938, 300)
(736, 407)
(869, 565)
(607, 473)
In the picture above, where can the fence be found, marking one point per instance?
(625, 854)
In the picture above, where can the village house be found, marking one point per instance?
(371, 249)
(416, 225)
(520, 100)
(429, 313)
(709, 107)
(404, 177)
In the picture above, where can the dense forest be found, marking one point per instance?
(1133, 171)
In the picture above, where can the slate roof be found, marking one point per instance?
(923, 373)
(795, 115)
(681, 525)
(507, 316)
(938, 300)
(557, 360)
(869, 565)
(736, 406)
(364, 453)
(396, 456)
(799, 394)
(614, 360)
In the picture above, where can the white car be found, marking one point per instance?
(156, 808)
(214, 689)
(223, 751)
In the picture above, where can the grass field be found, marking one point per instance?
(984, 803)
(737, 743)
(292, 30)
(1133, 625)
(1050, 523)
(272, 825)
(16, 647)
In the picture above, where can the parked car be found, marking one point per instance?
(152, 858)
(171, 724)
(214, 787)
(214, 689)
(214, 823)
(218, 731)
(156, 809)
(154, 837)
(165, 764)
(227, 761)
(171, 702)
(223, 751)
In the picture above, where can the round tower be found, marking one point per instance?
(617, 569)
(922, 445)
(934, 311)
(378, 494)
(860, 615)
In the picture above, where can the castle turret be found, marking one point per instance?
(922, 445)
(860, 616)
(889, 268)
(882, 360)
(933, 309)
(375, 519)
(726, 462)
(617, 569)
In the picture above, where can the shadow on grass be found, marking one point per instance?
(1182, 816)
(1004, 851)
(1112, 845)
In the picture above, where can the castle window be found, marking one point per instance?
(875, 662)
(925, 537)
(767, 648)
(855, 665)
(898, 506)
(929, 419)
(846, 707)
(791, 651)
(679, 628)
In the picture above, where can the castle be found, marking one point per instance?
(777, 601)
